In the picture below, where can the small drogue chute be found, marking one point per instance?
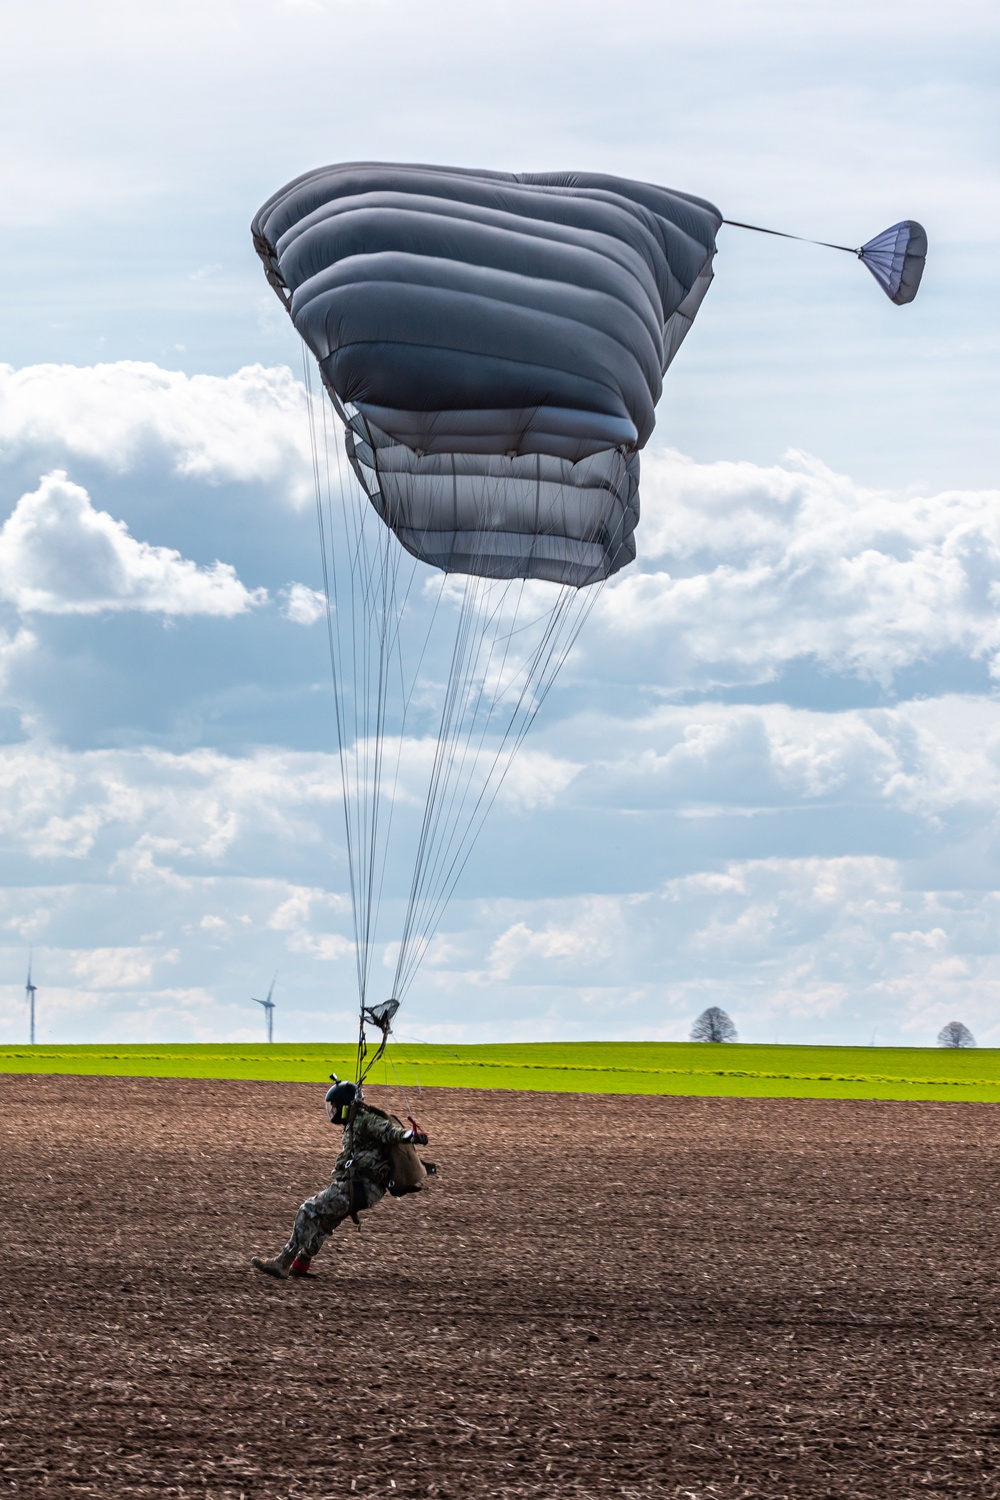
(896, 259)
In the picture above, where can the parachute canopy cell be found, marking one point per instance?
(495, 345)
(896, 259)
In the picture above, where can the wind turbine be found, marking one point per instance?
(268, 1005)
(29, 995)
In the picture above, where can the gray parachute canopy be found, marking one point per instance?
(495, 345)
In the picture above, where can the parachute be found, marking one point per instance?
(494, 348)
(896, 260)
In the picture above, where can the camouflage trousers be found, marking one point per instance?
(319, 1216)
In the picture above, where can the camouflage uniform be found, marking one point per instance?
(368, 1142)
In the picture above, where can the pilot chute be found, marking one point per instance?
(896, 260)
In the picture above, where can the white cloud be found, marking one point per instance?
(325, 946)
(215, 926)
(247, 427)
(836, 940)
(793, 948)
(294, 916)
(58, 555)
(743, 569)
(295, 911)
(119, 968)
(759, 567)
(536, 779)
(303, 605)
(928, 758)
(13, 648)
(793, 943)
(590, 937)
(149, 811)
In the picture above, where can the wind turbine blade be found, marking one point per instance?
(271, 990)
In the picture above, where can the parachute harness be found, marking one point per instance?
(381, 1017)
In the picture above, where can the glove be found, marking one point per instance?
(415, 1137)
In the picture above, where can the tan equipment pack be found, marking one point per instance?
(408, 1171)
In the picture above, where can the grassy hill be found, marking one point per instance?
(570, 1067)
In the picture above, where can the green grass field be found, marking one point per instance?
(565, 1067)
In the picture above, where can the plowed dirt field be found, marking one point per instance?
(597, 1297)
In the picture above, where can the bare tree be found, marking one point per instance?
(955, 1035)
(713, 1025)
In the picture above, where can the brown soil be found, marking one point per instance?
(598, 1297)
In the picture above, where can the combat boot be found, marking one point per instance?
(278, 1266)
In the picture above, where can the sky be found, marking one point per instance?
(768, 777)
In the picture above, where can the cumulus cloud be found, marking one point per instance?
(294, 916)
(303, 605)
(929, 758)
(589, 937)
(13, 649)
(248, 427)
(58, 555)
(794, 948)
(743, 569)
(149, 812)
(216, 927)
(844, 940)
(536, 779)
(119, 968)
(326, 946)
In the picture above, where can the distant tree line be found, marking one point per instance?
(713, 1025)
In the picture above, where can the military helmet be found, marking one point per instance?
(339, 1099)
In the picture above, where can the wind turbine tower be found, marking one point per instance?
(268, 1005)
(29, 995)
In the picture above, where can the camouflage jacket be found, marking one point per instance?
(369, 1141)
